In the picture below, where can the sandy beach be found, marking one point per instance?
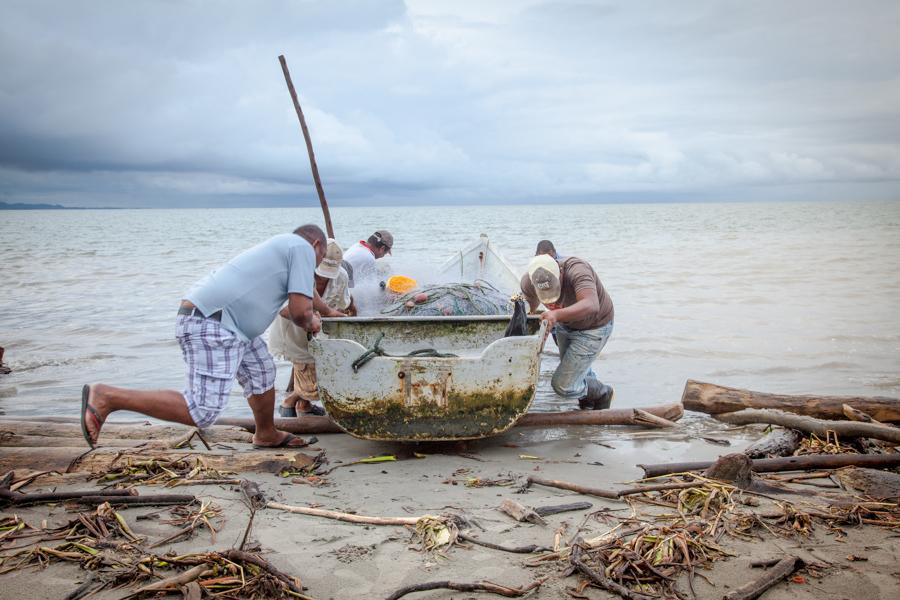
(338, 560)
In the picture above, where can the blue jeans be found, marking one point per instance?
(577, 352)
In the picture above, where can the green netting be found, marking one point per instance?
(452, 299)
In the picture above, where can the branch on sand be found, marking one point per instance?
(787, 463)
(754, 589)
(341, 516)
(481, 586)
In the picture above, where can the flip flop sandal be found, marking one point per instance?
(287, 411)
(286, 443)
(85, 408)
(314, 410)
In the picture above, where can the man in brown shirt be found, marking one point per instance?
(580, 312)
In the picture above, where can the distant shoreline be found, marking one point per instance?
(27, 206)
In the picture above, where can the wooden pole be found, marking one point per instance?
(610, 416)
(309, 148)
(788, 463)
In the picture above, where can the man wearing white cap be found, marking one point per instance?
(582, 312)
(362, 256)
(290, 342)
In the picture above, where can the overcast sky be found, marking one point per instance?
(182, 103)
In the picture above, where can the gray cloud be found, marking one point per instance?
(183, 103)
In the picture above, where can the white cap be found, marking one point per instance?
(543, 270)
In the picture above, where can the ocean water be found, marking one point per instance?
(780, 297)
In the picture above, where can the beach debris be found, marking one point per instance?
(186, 440)
(787, 463)
(556, 509)
(645, 562)
(530, 549)
(434, 533)
(872, 483)
(715, 399)
(609, 416)
(641, 417)
(854, 414)
(306, 466)
(158, 471)
(783, 568)
(715, 441)
(526, 481)
(529, 457)
(480, 586)
(732, 468)
(813, 444)
(778, 442)
(191, 519)
(342, 516)
(229, 574)
(8, 496)
(86, 539)
(520, 512)
(820, 427)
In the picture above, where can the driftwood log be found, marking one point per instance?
(809, 462)
(609, 416)
(520, 512)
(779, 442)
(715, 399)
(820, 427)
(67, 432)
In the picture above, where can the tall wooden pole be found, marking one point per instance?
(309, 148)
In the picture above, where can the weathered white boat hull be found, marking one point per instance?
(474, 395)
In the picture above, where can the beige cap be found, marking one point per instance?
(384, 236)
(331, 264)
(543, 270)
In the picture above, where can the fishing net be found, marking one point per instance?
(451, 299)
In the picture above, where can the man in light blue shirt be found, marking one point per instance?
(219, 328)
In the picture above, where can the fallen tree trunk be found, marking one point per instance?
(117, 431)
(820, 427)
(787, 463)
(609, 416)
(715, 399)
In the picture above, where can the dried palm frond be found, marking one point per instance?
(170, 473)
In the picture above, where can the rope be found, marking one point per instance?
(376, 350)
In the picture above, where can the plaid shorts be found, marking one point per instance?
(214, 356)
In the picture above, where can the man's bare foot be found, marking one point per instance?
(93, 413)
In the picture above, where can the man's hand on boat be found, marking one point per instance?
(300, 311)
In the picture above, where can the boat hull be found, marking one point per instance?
(400, 398)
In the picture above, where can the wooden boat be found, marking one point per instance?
(480, 391)
(481, 260)
(474, 383)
